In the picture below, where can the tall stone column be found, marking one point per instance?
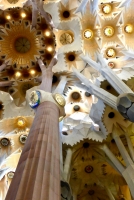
(38, 172)
(121, 146)
(67, 164)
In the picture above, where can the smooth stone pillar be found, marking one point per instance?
(67, 164)
(38, 172)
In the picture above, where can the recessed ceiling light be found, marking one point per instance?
(88, 34)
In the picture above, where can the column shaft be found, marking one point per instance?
(67, 164)
(121, 147)
(130, 146)
(38, 172)
(113, 158)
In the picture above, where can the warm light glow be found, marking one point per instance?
(111, 65)
(49, 49)
(21, 122)
(110, 52)
(129, 28)
(17, 74)
(32, 71)
(88, 34)
(108, 31)
(23, 15)
(47, 33)
(106, 9)
(8, 17)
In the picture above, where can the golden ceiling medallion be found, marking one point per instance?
(106, 9)
(66, 38)
(20, 44)
(129, 28)
(59, 99)
(88, 34)
(109, 31)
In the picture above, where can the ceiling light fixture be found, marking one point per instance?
(17, 74)
(129, 28)
(106, 9)
(8, 17)
(111, 65)
(109, 31)
(21, 122)
(47, 33)
(88, 34)
(23, 15)
(32, 72)
(110, 52)
(49, 49)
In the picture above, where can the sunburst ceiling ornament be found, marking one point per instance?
(65, 12)
(73, 95)
(11, 3)
(73, 59)
(21, 44)
(89, 33)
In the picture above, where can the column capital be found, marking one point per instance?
(39, 96)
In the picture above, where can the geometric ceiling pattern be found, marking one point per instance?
(92, 39)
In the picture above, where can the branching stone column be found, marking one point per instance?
(100, 93)
(120, 145)
(67, 164)
(60, 87)
(111, 197)
(113, 158)
(128, 171)
(38, 172)
(5, 83)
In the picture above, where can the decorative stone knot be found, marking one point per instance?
(125, 106)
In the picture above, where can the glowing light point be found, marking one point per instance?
(32, 72)
(88, 34)
(129, 28)
(106, 9)
(23, 15)
(49, 49)
(108, 31)
(111, 65)
(110, 52)
(47, 33)
(21, 122)
(17, 74)
(8, 17)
